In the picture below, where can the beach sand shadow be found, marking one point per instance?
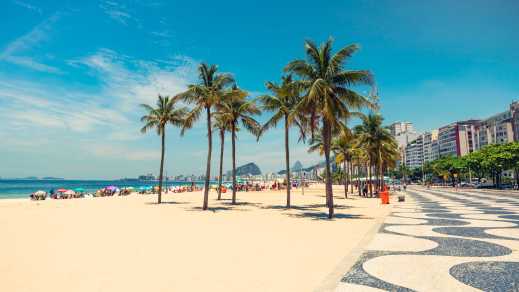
(166, 203)
(324, 216)
(309, 207)
(216, 209)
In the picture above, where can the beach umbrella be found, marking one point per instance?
(61, 190)
(143, 188)
(79, 190)
(69, 192)
(40, 193)
(111, 188)
(130, 188)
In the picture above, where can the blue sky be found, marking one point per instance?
(72, 74)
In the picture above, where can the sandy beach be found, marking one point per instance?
(132, 244)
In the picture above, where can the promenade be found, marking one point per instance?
(443, 240)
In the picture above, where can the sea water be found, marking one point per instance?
(20, 188)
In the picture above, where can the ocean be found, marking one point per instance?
(21, 188)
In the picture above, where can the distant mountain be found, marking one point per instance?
(298, 166)
(248, 169)
(295, 168)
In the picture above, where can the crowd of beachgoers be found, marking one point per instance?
(112, 190)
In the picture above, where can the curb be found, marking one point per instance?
(331, 281)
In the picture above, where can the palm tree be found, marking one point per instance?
(157, 118)
(378, 143)
(282, 103)
(222, 126)
(237, 109)
(329, 95)
(342, 147)
(316, 144)
(204, 95)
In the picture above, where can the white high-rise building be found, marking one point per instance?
(404, 133)
(401, 127)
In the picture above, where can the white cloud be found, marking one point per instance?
(133, 82)
(28, 6)
(111, 113)
(116, 11)
(38, 34)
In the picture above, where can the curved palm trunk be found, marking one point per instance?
(208, 167)
(329, 191)
(345, 174)
(163, 146)
(222, 141)
(287, 160)
(233, 139)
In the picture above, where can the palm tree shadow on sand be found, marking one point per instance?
(166, 203)
(217, 209)
(309, 207)
(324, 216)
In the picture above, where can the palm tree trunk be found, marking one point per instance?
(287, 159)
(233, 139)
(370, 170)
(358, 178)
(208, 166)
(222, 141)
(329, 191)
(345, 174)
(163, 146)
(351, 175)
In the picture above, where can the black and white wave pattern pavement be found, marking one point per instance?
(441, 240)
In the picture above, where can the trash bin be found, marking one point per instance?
(384, 197)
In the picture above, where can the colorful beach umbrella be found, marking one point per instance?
(61, 190)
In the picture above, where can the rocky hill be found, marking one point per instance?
(248, 169)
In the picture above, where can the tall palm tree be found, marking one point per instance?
(238, 110)
(222, 126)
(316, 144)
(204, 95)
(157, 118)
(329, 95)
(377, 140)
(283, 101)
(342, 147)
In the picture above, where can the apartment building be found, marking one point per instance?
(497, 129)
(397, 128)
(414, 153)
(430, 146)
(404, 133)
(458, 138)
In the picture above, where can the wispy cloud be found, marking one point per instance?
(116, 11)
(12, 52)
(137, 81)
(110, 114)
(28, 6)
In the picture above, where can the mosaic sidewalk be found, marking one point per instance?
(443, 241)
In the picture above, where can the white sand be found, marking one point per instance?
(131, 244)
